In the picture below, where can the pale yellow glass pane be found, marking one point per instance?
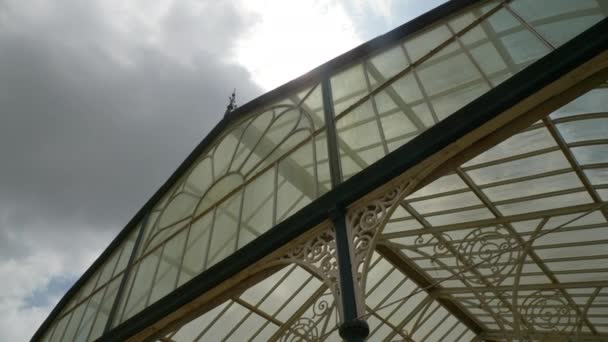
(423, 43)
(591, 154)
(166, 276)
(127, 250)
(406, 89)
(108, 269)
(520, 168)
(323, 175)
(438, 75)
(258, 203)
(140, 286)
(219, 191)
(597, 176)
(201, 177)
(584, 130)
(284, 124)
(388, 63)
(224, 152)
(446, 203)
(592, 102)
(70, 330)
(562, 20)
(347, 87)
(292, 194)
(528, 141)
(88, 318)
(313, 105)
(225, 228)
(534, 187)
(196, 249)
(104, 309)
(226, 322)
(443, 184)
(453, 100)
(545, 203)
(461, 216)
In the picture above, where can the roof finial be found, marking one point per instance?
(232, 102)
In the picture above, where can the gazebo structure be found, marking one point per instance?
(447, 181)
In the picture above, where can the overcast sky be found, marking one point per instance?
(100, 100)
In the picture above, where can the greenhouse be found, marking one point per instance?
(446, 181)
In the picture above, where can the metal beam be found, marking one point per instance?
(545, 336)
(522, 287)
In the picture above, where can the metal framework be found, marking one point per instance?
(445, 181)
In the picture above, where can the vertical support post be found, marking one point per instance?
(125, 278)
(333, 152)
(352, 329)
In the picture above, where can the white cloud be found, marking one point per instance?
(24, 277)
(18, 323)
(292, 37)
(20, 278)
(382, 8)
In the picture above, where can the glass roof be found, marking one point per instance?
(293, 305)
(515, 238)
(499, 240)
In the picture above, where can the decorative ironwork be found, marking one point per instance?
(231, 102)
(493, 252)
(308, 328)
(501, 309)
(318, 255)
(549, 310)
(365, 223)
(439, 246)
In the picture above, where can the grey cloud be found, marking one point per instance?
(93, 120)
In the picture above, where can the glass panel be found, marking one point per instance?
(424, 42)
(166, 275)
(584, 129)
(225, 228)
(258, 206)
(438, 75)
(347, 87)
(522, 45)
(429, 92)
(520, 168)
(387, 64)
(591, 102)
(591, 154)
(218, 191)
(104, 306)
(70, 330)
(528, 141)
(446, 203)
(196, 249)
(143, 275)
(562, 20)
(534, 187)
(546, 203)
(86, 322)
(597, 176)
